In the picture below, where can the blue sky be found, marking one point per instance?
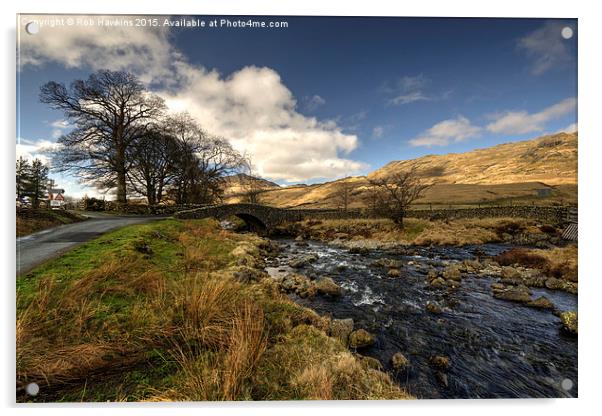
(327, 97)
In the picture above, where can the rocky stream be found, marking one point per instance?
(455, 341)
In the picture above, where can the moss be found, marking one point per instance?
(569, 321)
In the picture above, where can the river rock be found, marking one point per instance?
(327, 286)
(361, 338)
(510, 273)
(541, 303)
(519, 293)
(470, 266)
(442, 379)
(437, 283)
(554, 283)
(296, 283)
(440, 361)
(399, 361)
(452, 272)
(432, 307)
(393, 273)
(303, 261)
(569, 321)
(382, 262)
(341, 328)
(359, 250)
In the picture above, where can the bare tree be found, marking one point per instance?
(153, 157)
(201, 162)
(342, 194)
(109, 111)
(393, 195)
(250, 183)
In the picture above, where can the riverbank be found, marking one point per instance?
(381, 233)
(178, 310)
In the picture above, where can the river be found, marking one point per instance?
(497, 349)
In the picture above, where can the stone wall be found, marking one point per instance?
(271, 216)
(553, 215)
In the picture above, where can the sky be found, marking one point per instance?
(323, 97)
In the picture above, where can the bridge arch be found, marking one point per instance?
(254, 224)
(259, 218)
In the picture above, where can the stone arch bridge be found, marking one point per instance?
(258, 217)
(262, 217)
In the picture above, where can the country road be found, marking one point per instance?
(36, 248)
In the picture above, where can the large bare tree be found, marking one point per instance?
(153, 158)
(201, 163)
(393, 195)
(109, 111)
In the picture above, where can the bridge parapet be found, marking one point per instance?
(272, 216)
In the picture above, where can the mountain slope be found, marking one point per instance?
(520, 172)
(549, 159)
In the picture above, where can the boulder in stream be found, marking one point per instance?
(393, 273)
(432, 307)
(399, 361)
(569, 322)
(541, 303)
(327, 286)
(452, 272)
(440, 361)
(518, 293)
(361, 338)
(303, 261)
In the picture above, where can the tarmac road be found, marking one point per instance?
(37, 248)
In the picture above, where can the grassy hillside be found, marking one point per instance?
(542, 171)
(548, 159)
(238, 184)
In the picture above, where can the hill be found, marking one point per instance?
(235, 185)
(541, 170)
(549, 159)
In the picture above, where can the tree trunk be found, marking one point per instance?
(121, 184)
(121, 175)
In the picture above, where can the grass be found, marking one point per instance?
(416, 231)
(558, 262)
(31, 221)
(155, 312)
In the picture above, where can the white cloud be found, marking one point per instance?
(571, 128)
(409, 98)
(58, 128)
(251, 107)
(521, 122)
(314, 102)
(378, 131)
(142, 50)
(546, 47)
(447, 131)
(30, 150)
(408, 90)
(257, 112)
